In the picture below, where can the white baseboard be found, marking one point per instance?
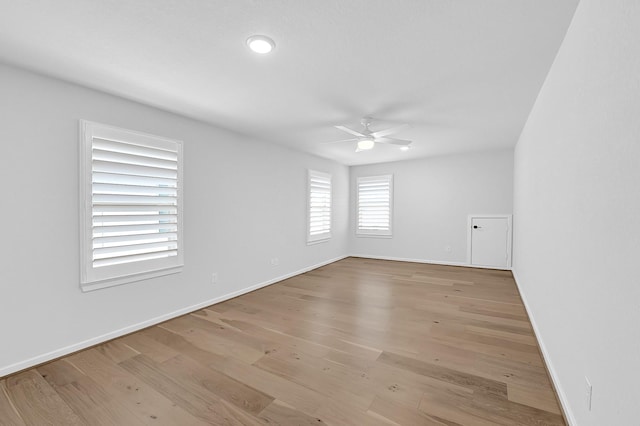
(566, 408)
(433, 262)
(46, 357)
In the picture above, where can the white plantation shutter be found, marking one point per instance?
(375, 199)
(131, 205)
(319, 206)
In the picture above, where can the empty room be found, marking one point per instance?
(340, 212)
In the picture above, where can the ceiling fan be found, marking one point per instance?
(366, 139)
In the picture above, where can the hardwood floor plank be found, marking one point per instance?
(489, 351)
(281, 414)
(142, 400)
(279, 339)
(488, 407)
(116, 350)
(228, 389)
(94, 405)
(298, 396)
(236, 416)
(223, 330)
(305, 374)
(475, 383)
(342, 413)
(200, 404)
(37, 403)
(527, 339)
(149, 347)
(543, 399)
(183, 346)
(9, 415)
(60, 373)
(356, 342)
(219, 346)
(404, 415)
(452, 410)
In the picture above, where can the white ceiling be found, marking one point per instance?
(463, 73)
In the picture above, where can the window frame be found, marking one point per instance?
(388, 233)
(325, 236)
(92, 278)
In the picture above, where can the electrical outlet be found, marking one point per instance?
(588, 392)
(275, 261)
(214, 278)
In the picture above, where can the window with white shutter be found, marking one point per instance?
(319, 226)
(131, 206)
(375, 202)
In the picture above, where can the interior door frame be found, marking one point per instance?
(509, 218)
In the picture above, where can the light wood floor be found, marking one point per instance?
(357, 342)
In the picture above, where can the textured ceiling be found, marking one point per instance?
(463, 73)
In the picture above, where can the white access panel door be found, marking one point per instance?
(490, 241)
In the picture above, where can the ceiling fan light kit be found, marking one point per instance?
(366, 139)
(365, 144)
(261, 44)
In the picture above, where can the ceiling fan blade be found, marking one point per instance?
(394, 141)
(387, 132)
(343, 140)
(348, 130)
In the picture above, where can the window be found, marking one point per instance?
(130, 206)
(319, 207)
(375, 199)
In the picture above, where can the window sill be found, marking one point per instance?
(112, 282)
(319, 241)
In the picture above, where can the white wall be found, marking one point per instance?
(577, 214)
(244, 204)
(432, 199)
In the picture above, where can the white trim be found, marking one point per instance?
(404, 259)
(564, 401)
(37, 360)
(323, 240)
(509, 218)
(97, 285)
(433, 262)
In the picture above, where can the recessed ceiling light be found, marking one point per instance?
(364, 144)
(404, 148)
(261, 44)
